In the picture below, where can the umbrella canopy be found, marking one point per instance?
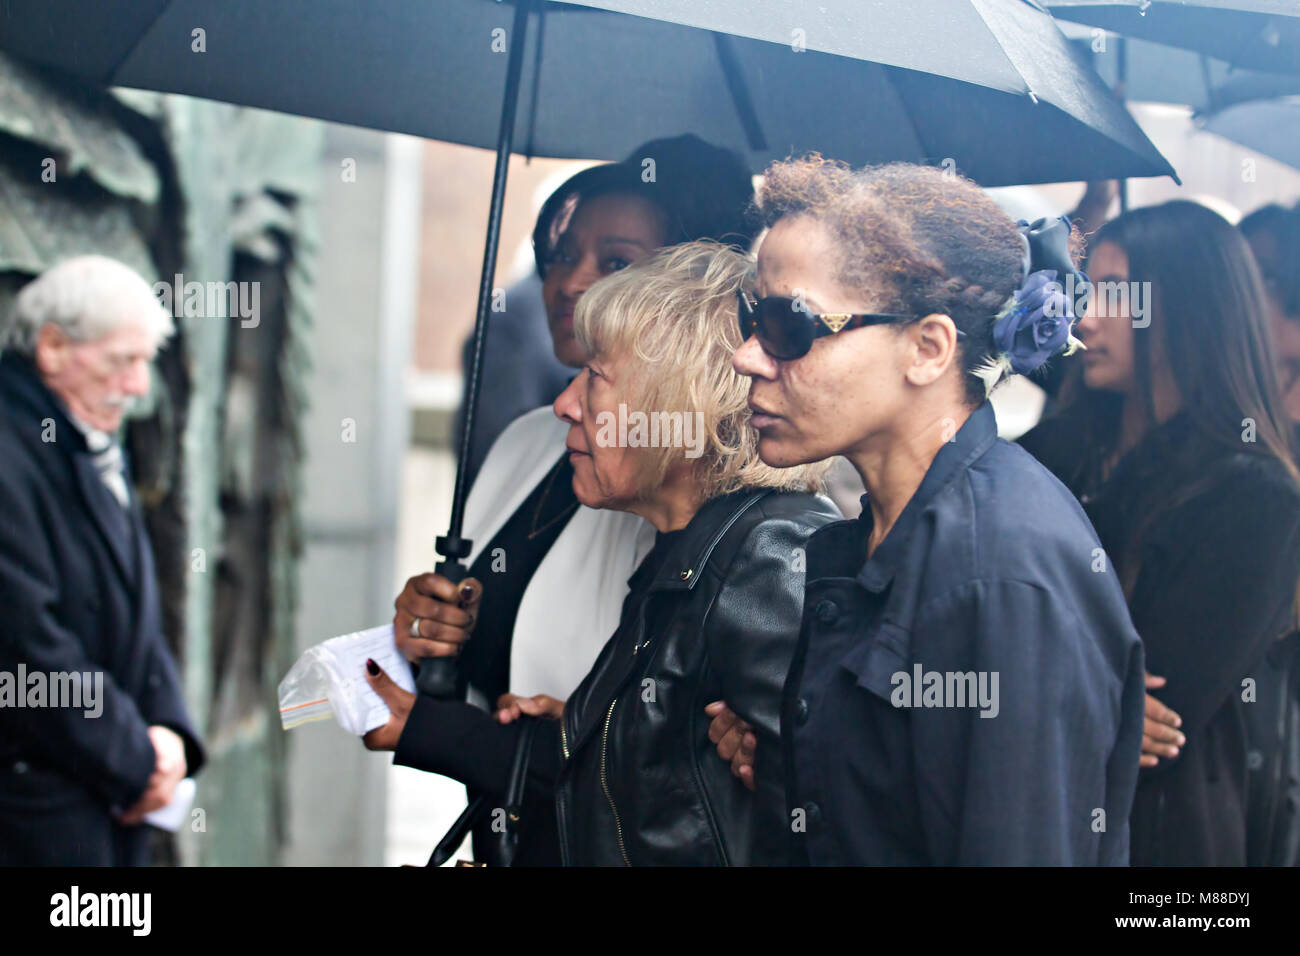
(1270, 127)
(1145, 72)
(861, 80)
(1245, 86)
(1255, 34)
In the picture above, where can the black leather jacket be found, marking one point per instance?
(641, 783)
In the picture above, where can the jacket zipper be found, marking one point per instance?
(604, 783)
(604, 780)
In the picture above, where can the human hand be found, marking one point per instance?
(169, 770)
(511, 706)
(1160, 736)
(399, 703)
(446, 611)
(736, 741)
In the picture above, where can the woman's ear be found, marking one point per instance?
(932, 348)
(51, 352)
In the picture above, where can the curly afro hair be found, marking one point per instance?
(928, 240)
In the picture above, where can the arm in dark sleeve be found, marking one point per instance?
(1207, 615)
(753, 627)
(460, 741)
(751, 633)
(163, 703)
(1022, 785)
(112, 753)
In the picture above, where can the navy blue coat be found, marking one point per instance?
(991, 570)
(77, 594)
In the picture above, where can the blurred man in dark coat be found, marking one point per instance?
(1273, 820)
(93, 730)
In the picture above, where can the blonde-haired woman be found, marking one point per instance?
(658, 427)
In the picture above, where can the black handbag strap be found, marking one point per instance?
(455, 836)
(507, 841)
(519, 766)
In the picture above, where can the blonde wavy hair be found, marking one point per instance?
(670, 320)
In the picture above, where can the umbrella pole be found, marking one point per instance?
(1121, 87)
(438, 675)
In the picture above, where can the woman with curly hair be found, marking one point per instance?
(967, 687)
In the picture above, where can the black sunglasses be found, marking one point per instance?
(787, 331)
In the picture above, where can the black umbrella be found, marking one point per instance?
(989, 86)
(1269, 126)
(1142, 71)
(876, 80)
(1146, 72)
(1254, 34)
(1244, 86)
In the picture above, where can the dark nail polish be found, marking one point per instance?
(372, 667)
(466, 593)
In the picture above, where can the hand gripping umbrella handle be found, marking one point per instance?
(438, 675)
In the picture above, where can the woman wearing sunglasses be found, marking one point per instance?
(967, 687)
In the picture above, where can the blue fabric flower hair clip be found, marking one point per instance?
(1038, 319)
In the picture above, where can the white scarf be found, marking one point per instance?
(107, 455)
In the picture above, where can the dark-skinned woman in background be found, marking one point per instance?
(547, 577)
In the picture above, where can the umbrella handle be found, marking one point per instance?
(437, 678)
(438, 675)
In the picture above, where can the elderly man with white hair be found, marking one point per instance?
(94, 733)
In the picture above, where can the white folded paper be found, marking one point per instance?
(329, 679)
(172, 816)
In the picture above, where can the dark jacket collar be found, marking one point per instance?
(21, 385)
(688, 555)
(973, 439)
(28, 402)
